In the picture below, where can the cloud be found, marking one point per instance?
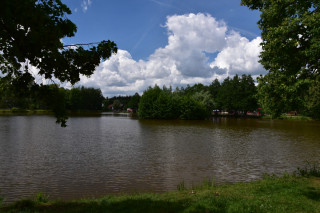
(85, 5)
(240, 56)
(184, 60)
(200, 49)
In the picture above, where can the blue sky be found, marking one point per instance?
(167, 42)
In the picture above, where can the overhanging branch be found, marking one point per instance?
(76, 45)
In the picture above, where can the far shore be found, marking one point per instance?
(15, 111)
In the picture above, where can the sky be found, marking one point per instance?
(167, 42)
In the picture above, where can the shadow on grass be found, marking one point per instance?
(129, 205)
(312, 193)
(207, 204)
(289, 193)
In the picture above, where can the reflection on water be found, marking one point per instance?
(109, 154)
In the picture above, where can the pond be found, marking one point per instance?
(114, 154)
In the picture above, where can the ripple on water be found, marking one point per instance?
(95, 156)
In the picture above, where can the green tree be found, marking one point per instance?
(225, 95)
(164, 107)
(214, 88)
(247, 94)
(134, 101)
(237, 94)
(116, 105)
(278, 93)
(54, 98)
(195, 88)
(290, 35)
(92, 98)
(146, 109)
(206, 99)
(290, 52)
(75, 99)
(313, 99)
(31, 34)
(192, 109)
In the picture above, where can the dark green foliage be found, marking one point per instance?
(134, 101)
(85, 99)
(75, 99)
(195, 88)
(147, 102)
(123, 101)
(290, 32)
(290, 52)
(214, 88)
(194, 102)
(205, 99)
(116, 105)
(35, 37)
(42, 198)
(198, 101)
(313, 99)
(311, 169)
(248, 91)
(278, 93)
(226, 97)
(52, 97)
(237, 94)
(31, 33)
(181, 186)
(192, 109)
(165, 104)
(165, 107)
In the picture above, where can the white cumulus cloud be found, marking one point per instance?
(184, 60)
(240, 56)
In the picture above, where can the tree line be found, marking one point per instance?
(120, 103)
(192, 102)
(52, 96)
(236, 95)
(198, 101)
(59, 99)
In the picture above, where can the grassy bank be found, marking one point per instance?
(15, 111)
(272, 194)
(48, 112)
(288, 117)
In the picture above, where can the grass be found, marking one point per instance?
(15, 111)
(289, 193)
(297, 117)
(310, 169)
(287, 117)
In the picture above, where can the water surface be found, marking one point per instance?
(96, 156)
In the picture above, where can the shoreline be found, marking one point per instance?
(289, 193)
(21, 112)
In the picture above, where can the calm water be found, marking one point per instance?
(101, 155)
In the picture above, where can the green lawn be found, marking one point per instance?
(287, 117)
(272, 194)
(16, 111)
